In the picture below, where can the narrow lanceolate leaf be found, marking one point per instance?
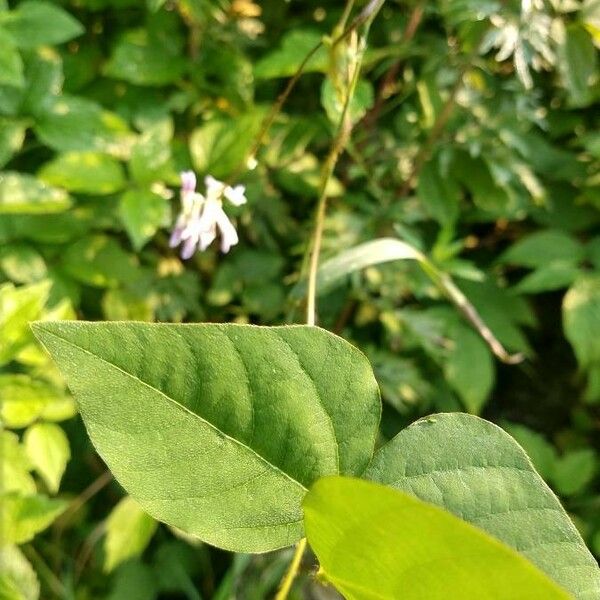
(376, 543)
(220, 429)
(477, 471)
(375, 252)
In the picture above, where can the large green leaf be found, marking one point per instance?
(220, 429)
(377, 543)
(477, 471)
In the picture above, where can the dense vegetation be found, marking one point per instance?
(469, 140)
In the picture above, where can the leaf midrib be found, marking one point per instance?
(177, 405)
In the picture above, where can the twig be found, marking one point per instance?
(339, 142)
(292, 572)
(94, 488)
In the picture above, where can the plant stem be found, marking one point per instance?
(292, 572)
(341, 138)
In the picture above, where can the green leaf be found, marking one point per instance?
(18, 580)
(544, 247)
(477, 471)
(220, 429)
(78, 124)
(44, 75)
(24, 399)
(554, 276)
(134, 581)
(34, 23)
(574, 470)
(469, 368)
(128, 531)
(24, 194)
(99, 261)
(12, 134)
(578, 63)
(48, 449)
(22, 264)
(220, 146)
(540, 451)
(359, 104)
(154, 5)
(439, 193)
(11, 65)
(151, 154)
(19, 306)
(23, 517)
(376, 543)
(143, 212)
(284, 61)
(84, 173)
(581, 319)
(364, 255)
(146, 59)
(15, 465)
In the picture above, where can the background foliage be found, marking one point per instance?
(476, 140)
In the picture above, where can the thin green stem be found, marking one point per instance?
(292, 572)
(341, 138)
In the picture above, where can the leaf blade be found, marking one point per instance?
(513, 504)
(237, 454)
(386, 545)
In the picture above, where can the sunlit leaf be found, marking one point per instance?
(374, 542)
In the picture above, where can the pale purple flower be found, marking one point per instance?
(203, 217)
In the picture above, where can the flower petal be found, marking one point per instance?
(188, 181)
(229, 236)
(236, 195)
(214, 188)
